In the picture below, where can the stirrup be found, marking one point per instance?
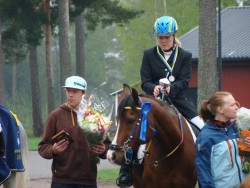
(124, 179)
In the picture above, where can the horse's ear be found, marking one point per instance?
(135, 97)
(126, 90)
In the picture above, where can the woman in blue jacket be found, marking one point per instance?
(217, 160)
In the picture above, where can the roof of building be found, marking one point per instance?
(235, 32)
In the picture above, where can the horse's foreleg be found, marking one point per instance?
(16, 180)
(22, 178)
(11, 182)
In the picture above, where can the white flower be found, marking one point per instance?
(243, 118)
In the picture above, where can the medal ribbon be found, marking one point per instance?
(169, 67)
(145, 109)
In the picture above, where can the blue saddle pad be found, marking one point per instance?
(4, 169)
(11, 133)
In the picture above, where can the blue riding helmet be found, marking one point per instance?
(165, 26)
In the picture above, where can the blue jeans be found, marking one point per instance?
(59, 185)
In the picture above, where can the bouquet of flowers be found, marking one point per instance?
(243, 118)
(243, 123)
(93, 121)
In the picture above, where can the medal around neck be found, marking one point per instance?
(171, 78)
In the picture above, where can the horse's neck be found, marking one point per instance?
(169, 131)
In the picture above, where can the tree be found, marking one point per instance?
(243, 2)
(24, 31)
(79, 35)
(49, 65)
(2, 86)
(12, 51)
(207, 65)
(36, 103)
(92, 14)
(77, 13)
(32, 24)
(64, 42)
(15, 52)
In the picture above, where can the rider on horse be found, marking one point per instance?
(166, 60)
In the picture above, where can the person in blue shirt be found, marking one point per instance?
(217, 161)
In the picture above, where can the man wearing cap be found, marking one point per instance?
(73, 163)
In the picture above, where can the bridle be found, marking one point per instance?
(128, 151)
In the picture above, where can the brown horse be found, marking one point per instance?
(170, 152)
(245, 183)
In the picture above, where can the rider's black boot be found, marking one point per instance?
(125, 177)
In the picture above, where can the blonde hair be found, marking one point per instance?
(177, 42)
(209, 107)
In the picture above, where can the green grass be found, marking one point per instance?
(33, 143)
(108, 175)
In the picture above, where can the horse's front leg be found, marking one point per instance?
(11, 182)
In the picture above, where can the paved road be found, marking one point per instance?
(41, 168)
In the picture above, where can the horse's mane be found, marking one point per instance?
(162, 103)
(166, 105)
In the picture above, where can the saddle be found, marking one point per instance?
(196, 130)
(194, 127)
(10, 154)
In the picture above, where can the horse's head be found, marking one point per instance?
(133, 128)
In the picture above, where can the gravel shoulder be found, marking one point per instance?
(45, 183)
(40, 172)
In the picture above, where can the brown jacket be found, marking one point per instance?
(76, 165)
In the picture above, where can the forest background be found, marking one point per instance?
(112, 53)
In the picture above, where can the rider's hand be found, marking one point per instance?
(157, 90)
(60, 146)
(167, 91)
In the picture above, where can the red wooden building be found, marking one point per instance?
(235, 79)
(235, 30)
